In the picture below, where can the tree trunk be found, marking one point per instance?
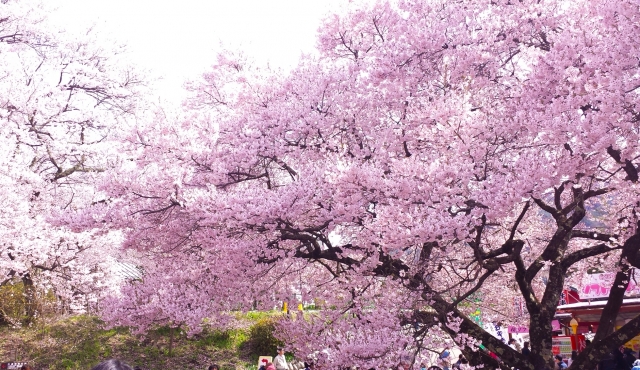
(29, 299)
(170, 340)
(540, 334)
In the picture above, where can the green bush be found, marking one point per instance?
(22, 304)
(263, 342)
(12, 305)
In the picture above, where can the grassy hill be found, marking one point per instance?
(79, 342)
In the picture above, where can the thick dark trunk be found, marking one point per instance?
(540, 333)
(541, 314)
(3, 319)
(29, 299)
(612, 308)
(610, 312)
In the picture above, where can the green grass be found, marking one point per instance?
(80, 342)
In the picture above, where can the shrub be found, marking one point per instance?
(263, 342)
(22, 304)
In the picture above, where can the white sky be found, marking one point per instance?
(178, 39)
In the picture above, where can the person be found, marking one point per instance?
(574, 355)
(607, 362)
(629, 358)
(423, 366)
(405, 362)
(561, 364)
(270, 366)
(618, 358)
(280, 362)
(513, 343)
(112, 364)
(636, 365)
(461, 361)
(214, 367)
(525, 350)
(445, 359)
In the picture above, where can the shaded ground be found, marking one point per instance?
(79, 342)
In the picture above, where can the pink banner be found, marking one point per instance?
(599, 285)
(518, 329)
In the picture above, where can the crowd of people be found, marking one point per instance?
(623, 359)
(620, 359)
(279, 363)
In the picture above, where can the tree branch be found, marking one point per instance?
(518, 220)
(581, 254)
(547, 208)
(586, 234)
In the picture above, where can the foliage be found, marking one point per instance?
(12, 307)
(63, 99)
(263, 337)
(429, 151)
(14, 302)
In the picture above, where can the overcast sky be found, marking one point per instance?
(179, 39)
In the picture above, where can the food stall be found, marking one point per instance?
(584, 308)
(588, 313)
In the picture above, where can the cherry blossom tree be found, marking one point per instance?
(62, 99)
(432, 154)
